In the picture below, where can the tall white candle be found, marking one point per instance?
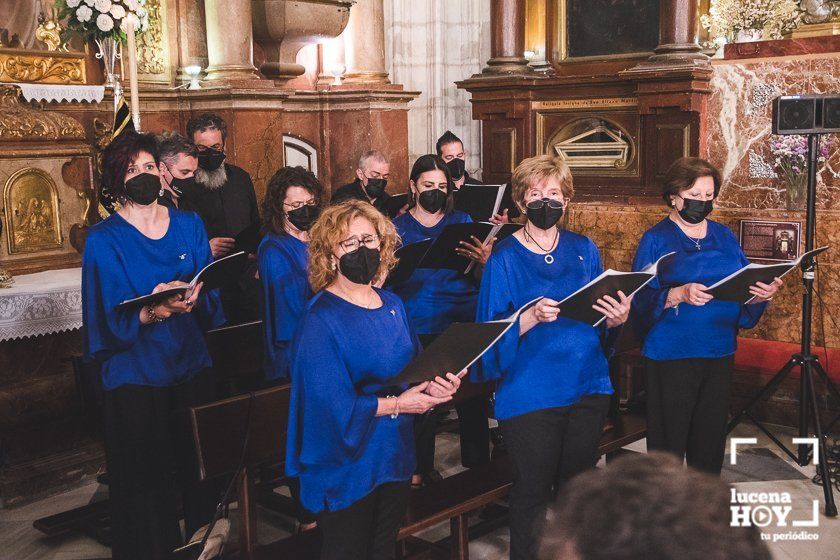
(131, 47)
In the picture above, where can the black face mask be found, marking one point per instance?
(456, 166)
(303, 217)
(143, 189)
(544, 213)
(695, 211)
(360, 266)
(432, 200)
(210, 159)
(375, 187)
(181, 186)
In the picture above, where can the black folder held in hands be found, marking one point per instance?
(409, 257)
(395, 203)
(219, 273)
(481, 202)
(578, 306)
(248, 239)
(736, 286)
(440, 252)
(456, 349)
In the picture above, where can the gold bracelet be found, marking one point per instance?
(396, 412)
(153, 317)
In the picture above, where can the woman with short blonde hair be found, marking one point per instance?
(553, 382)
(351, 438)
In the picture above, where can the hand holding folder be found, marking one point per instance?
(215, 275)
(587, 303)
(736, 286)
(457, 348)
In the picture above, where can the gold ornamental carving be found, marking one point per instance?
(151, 55)
(19, 121)
(52, 68)
(33, 221)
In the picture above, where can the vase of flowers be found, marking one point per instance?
(751, 20)
(103, 21)
(790, 161)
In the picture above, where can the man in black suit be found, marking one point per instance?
(224, 197)
(371, 178)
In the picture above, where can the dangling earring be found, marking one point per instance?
(332, 262)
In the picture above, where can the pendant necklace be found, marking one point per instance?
(695, 240)
(548, 258)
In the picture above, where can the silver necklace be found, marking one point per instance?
(548, 257)
(695, 240)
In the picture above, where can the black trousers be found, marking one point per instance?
(150, 459)
(687, 408)
(473, 431)
(548, 447)
(367, 530)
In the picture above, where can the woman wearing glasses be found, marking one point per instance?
(350, 437)
(435, 298)
(553, 382)
(292, 203)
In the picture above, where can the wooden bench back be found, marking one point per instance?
(219, 431)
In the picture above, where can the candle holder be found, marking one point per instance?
(338, 71)
(109, 52)
(193, 72)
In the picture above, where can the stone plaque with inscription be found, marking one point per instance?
(770, 241)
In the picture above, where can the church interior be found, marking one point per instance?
(618, 91)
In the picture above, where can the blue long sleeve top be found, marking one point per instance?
(285, 288)
(553, 364)
(690, 331)
(342, 358)
(120, 263)
(435, 298)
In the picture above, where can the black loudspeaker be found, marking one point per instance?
(806, 114)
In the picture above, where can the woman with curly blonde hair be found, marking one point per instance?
(350, 438)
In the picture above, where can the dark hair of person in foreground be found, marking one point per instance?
(648, 507)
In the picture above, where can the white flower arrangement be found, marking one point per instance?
(98, 19)
(773, 18)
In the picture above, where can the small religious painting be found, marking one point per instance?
(770, 241)
(31, 212)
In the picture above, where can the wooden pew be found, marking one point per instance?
(219, 430)
(252, 426)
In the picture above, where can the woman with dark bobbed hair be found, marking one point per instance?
(155, 363)
(690, 337)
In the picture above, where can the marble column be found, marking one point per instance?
(364, 43)
(230, 40)
(678, 33)
(507, 39)
(192, 39)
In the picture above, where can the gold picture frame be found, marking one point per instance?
(31, 212)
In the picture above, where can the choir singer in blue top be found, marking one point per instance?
(436, 298)
(690, 340)
(154, 360)
(553, 382)
(350, 438)
(291, 205)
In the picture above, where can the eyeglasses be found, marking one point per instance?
(353, 243)
(299, 204)
(537, 204)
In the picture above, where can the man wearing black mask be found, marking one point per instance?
(451, 149)
(178, 163)
(371, 179)
(224, 198)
